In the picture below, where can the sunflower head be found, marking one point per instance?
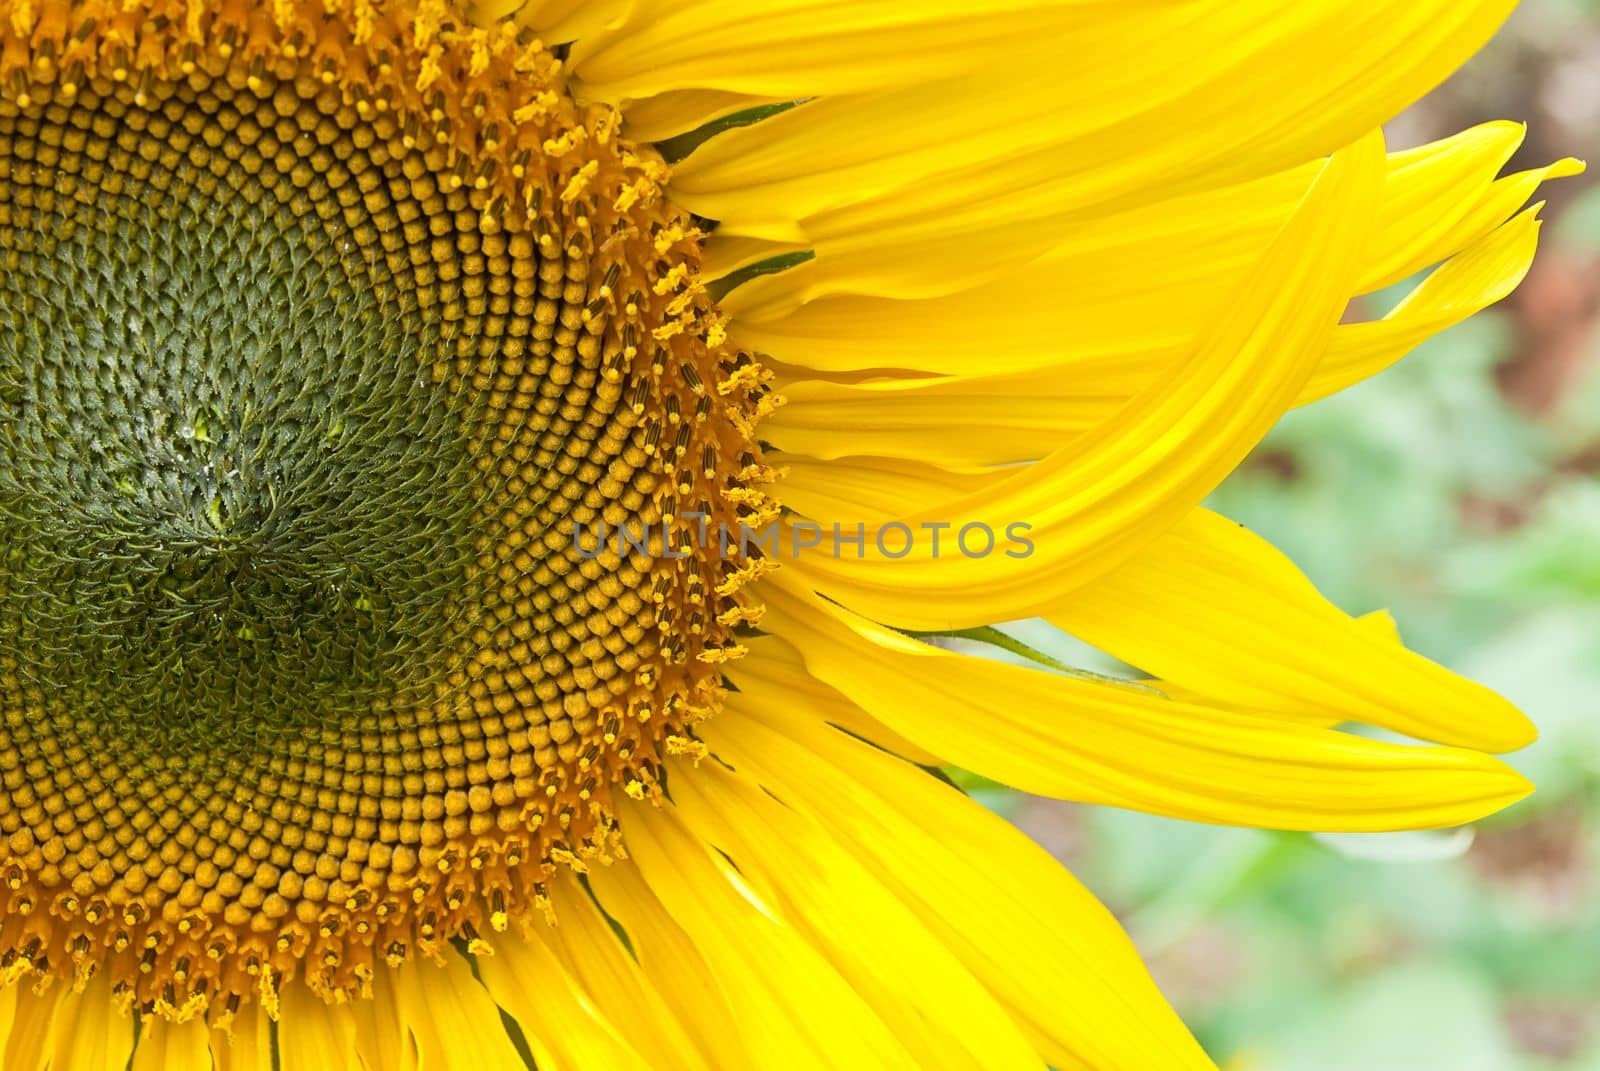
(364, 412)
(324, 331)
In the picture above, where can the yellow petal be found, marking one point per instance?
(1130, 103)
(608, 975)
(786, 998)
(923, 993)
(802, 48)
(1125, 746)
(314, 1035)
(247, 1045)
(1021, 416)
(90, 1032)
(1019, 921)
(556, 21)
(1217, 610)
(563, 1027)
(382, 1038)
(456, 1025)
(1094, 501)
(671, 963)
(168, 1046)
(31, 1020)
(872, 488)
(998, 419)
(774, 673)
(1467, 283)
(1140, 280)
(666, 116)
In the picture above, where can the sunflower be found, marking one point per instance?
(383, 381)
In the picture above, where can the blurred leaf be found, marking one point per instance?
(1408, 1018)
(1555, 554)
(1549, 664)
(1230, 869)
(1579, 225)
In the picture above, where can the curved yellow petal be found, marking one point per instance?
(608, 975)
(920, 990)
(1217, 610)
(1141, 281)
(672, 964)
(456, 1025)
(788, 49)
(1126, 746)
(1095, 500)
(1470, 281)
(91, 1033)
(1133, 103)
(1036, 938)
(563, 1027)
(31, 1018)
(1021, 416)
(246, 1045)
(774, 673)
(169, 1046)
(314, 1035)
(790, 1002)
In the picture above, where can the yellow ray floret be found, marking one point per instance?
(1093, 502)
(1129, 746)
(1017, 920)
(1214, 608)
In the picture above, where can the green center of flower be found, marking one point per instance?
(234, 501)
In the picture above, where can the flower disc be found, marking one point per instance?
(323, 342)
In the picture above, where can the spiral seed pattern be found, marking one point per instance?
(318, 348)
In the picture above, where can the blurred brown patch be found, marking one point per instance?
(1545, 861)
(1555, 310)
(1551, 1029)
(1055, 826)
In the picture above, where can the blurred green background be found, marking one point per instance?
(1459, 490)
